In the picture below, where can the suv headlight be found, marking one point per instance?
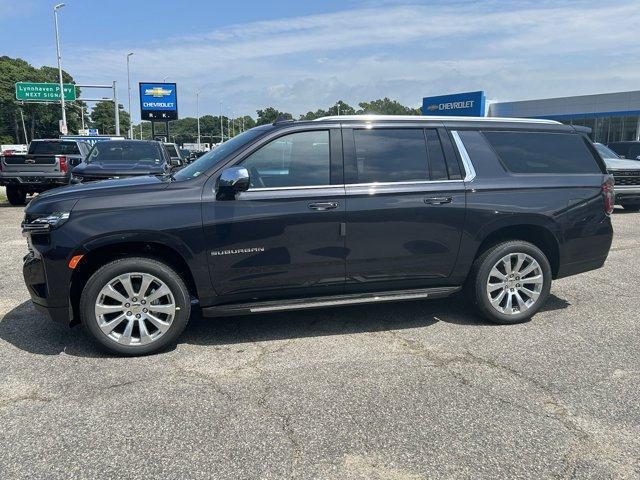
(46, 222)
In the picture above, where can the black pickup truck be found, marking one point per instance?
(46, 165)
(338, 211)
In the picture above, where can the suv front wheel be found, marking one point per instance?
(510, 282)
(135, 306)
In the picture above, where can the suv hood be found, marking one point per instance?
(621, 164)
(59, 199)
(111, 169)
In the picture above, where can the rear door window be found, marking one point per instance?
(437, 163)
(542, 152)
(391, 155)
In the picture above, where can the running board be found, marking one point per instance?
(328, 301)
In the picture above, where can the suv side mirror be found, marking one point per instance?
(175, 162)
(231, 182)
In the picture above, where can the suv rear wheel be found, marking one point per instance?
(510, 282)
(16, 195)
(135, 306)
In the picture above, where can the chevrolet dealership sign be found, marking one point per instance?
(158, 101)
(469, 104)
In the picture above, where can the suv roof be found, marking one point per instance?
(436, 118)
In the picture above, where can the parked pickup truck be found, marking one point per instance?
(46, 165)
(626, 174)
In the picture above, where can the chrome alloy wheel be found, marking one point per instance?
(515, 283)
(135, 309)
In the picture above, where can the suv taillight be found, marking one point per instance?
(62, 161)
(609, 195)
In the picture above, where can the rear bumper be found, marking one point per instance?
(585, 248)
(32, 178)
(582, 266)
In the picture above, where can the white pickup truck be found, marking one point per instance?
(46, 165)
(626, 174)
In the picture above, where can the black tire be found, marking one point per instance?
(16, 195)
(479, 276)
(632, 207)
(122, 266)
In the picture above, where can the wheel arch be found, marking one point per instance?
(539, 235)
(101, 253)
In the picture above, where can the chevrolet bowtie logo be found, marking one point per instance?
(433, 107)
(157, 92)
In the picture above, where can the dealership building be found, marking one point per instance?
(611, 116)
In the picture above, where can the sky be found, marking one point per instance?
(303, 55)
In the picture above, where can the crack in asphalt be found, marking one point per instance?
(583, 443)
(285, 420)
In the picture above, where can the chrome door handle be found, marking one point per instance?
(324, 206)
(437, 200)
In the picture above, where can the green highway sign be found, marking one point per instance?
(44, 92)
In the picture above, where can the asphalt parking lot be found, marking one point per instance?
(397, 391)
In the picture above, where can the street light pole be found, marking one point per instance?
(55, 21)
(129, 93)
(221, 125)
(117, 110)
(198, 115)
(82, 115)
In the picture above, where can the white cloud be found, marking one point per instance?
(512, 50)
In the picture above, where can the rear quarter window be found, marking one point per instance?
(542, 152)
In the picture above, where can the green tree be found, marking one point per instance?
(103, 118)
(40, 120)
(269, 115)
(313, 115)
(386, 106)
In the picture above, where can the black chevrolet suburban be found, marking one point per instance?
(336, 211)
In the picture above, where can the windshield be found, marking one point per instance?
(125, 152)
(605, 152)
(222, 151)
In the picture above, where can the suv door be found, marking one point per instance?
(405, 207)
(285, 234)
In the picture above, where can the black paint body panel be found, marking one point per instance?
(379, 237)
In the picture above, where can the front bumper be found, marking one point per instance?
(40, 289)
(627, 192)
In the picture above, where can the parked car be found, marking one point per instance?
(46, 165)
(122, 158)
(626, 174)
(175, 154)
(629, 149)
(339, 211)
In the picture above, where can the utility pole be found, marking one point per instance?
(24, 128)
(129, 93)
(63, 125)
(198, 115)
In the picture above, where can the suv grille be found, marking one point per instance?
(626, 177)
